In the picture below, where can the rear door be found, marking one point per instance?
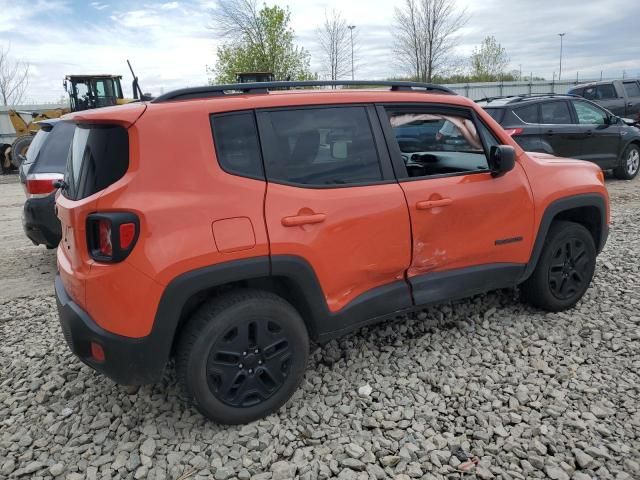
(601, 143)
(522, 123)
(559, 130)
(332, 202)
(632, 107)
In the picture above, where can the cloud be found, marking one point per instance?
(170, 44)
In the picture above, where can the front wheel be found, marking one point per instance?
(630, 163)
(242, 355)
(564, 270)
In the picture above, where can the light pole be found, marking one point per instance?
(351, 27)
(561, 35)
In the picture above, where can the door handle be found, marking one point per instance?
(297, 220)
(549, 132)
(427, 204)
(589, 133)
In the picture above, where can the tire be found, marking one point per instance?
(564, 270)
(19, 149)
(630, 163)
(242, 355)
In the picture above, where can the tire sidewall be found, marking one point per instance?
(622, 171)
(205, 401)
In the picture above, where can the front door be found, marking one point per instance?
(602, 141)
(333, 203)
(471, 231)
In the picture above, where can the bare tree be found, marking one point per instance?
(425, 34)
(335, 44)
(14, 78)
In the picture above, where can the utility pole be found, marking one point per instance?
(561, 35)
(351, 27)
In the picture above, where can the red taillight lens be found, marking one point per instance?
(512, 132)
(127, 233)
(97, 352)
(41, 184)
(104, 238)
(111, 236)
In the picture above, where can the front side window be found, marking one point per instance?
(437, 143)
(555, 113)
(632, 89)
(236, 142)
(319, 146)
(589, 114)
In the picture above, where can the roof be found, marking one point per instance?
(100, 75)
(604, 82)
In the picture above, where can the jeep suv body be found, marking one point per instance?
(227, 225)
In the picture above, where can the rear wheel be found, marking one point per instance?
(564, 270)
(242, 356)
(19, 149)
(630, 163)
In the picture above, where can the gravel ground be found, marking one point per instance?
(532, 395)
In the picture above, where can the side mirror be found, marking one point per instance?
(612, 120)
(502, 159)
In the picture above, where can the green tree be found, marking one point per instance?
(257, 40)
(489, 61)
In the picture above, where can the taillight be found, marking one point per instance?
(111, 236)
(41, 184)
(512, 132)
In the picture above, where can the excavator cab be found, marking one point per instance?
(93, 91)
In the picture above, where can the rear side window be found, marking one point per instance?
(632, 89)
(600, 92)
(99, 157)
(528, 114)
(52, 157)
(236, 141)
(320, 146)
(555, 113)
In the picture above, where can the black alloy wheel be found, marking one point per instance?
(569, 267)
(249, 362)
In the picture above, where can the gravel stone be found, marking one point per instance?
(536, 394)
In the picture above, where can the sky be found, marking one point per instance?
(170, 43)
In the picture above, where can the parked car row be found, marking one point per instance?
(569, 126)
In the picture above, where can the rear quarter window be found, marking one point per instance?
(236, 142)
(496, 113)
(36, 144)
(99, 157)
(53, 154)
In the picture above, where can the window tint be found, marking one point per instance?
(555, 113)
(35, 145)
(496, 113)
(632, 89)
(600, 92)
(437, 143)
(236, 141)
(320, 146)
(53, 155)
(99, 157)
(589, 114)
(528, 114)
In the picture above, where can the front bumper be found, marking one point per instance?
(39, 221)
(128, 361)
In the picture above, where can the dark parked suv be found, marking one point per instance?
(44, 164)
(621, 97)
(569, 126)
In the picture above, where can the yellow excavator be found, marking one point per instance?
(85, 92)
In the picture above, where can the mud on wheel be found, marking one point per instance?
(242, 356)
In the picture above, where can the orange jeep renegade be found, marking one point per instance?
(226, 226)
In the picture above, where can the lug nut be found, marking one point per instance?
(244, 354)
(251, 370)
(259, 362)
(256, 351)
(241, 366)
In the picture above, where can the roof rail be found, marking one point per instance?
(265, 87)
(525, 96)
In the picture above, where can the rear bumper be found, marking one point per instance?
(128, 361)
(39, 221)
